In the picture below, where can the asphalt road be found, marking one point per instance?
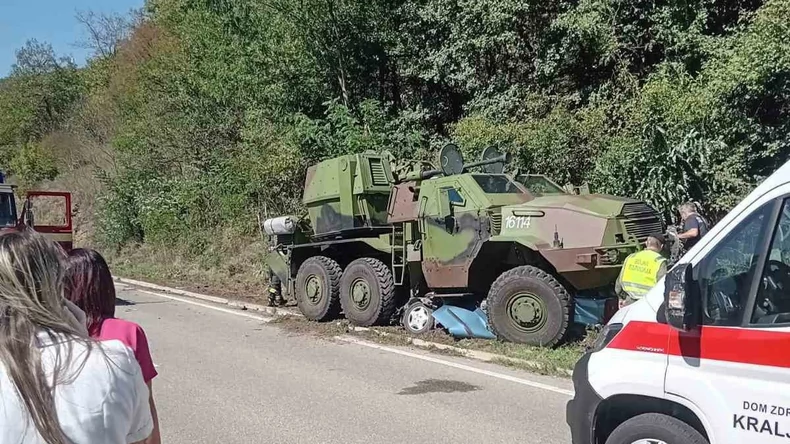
(227, 377)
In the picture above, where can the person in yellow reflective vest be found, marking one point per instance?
(641, 271)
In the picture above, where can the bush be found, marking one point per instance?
(563, 144)
(214, 110)
(32, 164)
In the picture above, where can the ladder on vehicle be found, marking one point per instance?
(398, 253)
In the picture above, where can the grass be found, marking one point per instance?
(444, 351)
(541, 359)
(232, 265)
(238, 274)
(563, 357)
(84, 188)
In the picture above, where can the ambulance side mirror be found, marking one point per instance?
(681, 298)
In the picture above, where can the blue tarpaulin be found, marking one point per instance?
(589, 311)
(465, 323)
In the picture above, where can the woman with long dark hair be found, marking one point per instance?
(89, 286)
(58, 385)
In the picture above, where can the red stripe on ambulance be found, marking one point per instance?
(730, 344)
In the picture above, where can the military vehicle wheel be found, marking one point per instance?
(367, 292)
(526, 305)
(317, 288)
(418, 318)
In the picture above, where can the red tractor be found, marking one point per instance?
(47, 212)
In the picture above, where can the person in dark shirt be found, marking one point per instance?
(694, 226)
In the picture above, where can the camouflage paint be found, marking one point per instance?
(348, 192)
(450, 246)
(403, 205)
(592, 239)
(278, 261)
(587, 227)
(353, 198)
(448, 252)
(593, 204)
(538, 223)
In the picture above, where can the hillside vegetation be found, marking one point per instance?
(195, 118)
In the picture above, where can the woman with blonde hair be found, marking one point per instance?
(59, 386)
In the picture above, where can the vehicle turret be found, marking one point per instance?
(348, 194)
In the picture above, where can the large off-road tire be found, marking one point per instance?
(526, 305)
(367, 292)
(655, 428)
(318, 288)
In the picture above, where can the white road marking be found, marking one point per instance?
(468, 368)
(212, 307)
(356, 341)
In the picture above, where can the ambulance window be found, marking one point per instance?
(772, 305)
(726, 274)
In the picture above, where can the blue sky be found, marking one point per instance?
(49, 21)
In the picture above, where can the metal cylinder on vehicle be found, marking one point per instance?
(280, 225)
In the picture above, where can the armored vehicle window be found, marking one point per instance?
(539, 185)
(497, 184)
(455, 196)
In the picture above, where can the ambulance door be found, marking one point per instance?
(734, 371)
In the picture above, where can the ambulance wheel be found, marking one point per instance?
(418, 318)
(655, 428)
(526, 305)
(318, 288)
(367, 292)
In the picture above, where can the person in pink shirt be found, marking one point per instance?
(89, 285)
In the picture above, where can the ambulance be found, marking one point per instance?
(704, 357)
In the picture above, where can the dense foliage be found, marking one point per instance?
(203, 114)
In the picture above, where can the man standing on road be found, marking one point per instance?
(694, 226)
(641, 271)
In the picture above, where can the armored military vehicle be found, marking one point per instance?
(385, 239)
